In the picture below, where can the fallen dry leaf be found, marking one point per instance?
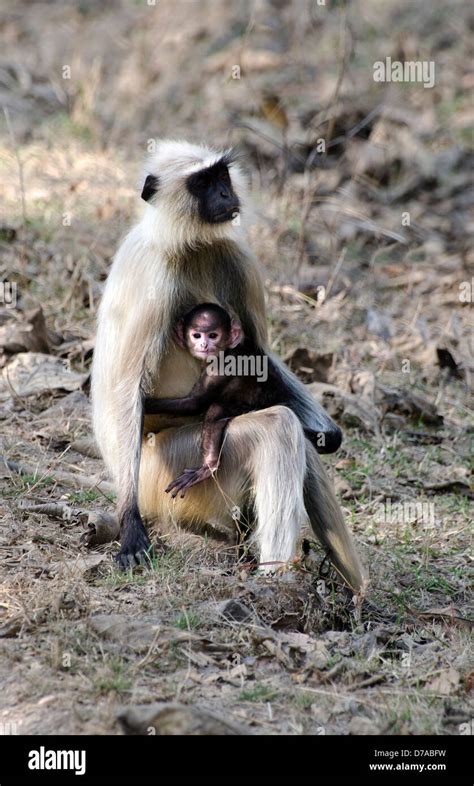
(33, 373)
(26, 333)
(446, 682)
(448, 614)
(74, 568)
(308, 365)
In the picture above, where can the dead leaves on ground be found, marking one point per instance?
(25, 332)
(449, 614)
(34, 373)
(446, 682)
(368, 410)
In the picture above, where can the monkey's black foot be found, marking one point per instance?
(136, 548)
(134, 552)
(187, 479)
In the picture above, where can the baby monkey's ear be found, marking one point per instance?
(178, 333)
(236, 334)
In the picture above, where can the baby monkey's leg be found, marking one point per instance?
(212, 435)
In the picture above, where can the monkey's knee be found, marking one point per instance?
(327, 441)
(282, 418)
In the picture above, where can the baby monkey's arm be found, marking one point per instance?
(201, 396)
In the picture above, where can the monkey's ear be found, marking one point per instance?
(178, 333)
(236, 333)
(150, 187)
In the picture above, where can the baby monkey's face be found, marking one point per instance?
(206, 337)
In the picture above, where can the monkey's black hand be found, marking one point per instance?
(187, 479)
(135, 544)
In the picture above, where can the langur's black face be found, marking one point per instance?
(212, 187)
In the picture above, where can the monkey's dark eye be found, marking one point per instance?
(196, 335)
(213, 335)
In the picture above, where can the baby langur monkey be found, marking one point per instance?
(237, 377)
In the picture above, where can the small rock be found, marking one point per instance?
(358, 725)
(235, 611)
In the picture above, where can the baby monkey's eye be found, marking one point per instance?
(196, 335)
(213, 335)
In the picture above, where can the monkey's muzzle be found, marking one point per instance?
(226, 215)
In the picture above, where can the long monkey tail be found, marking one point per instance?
(311, 414)
(328, 523)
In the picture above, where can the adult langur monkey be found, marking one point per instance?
(188, 248)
